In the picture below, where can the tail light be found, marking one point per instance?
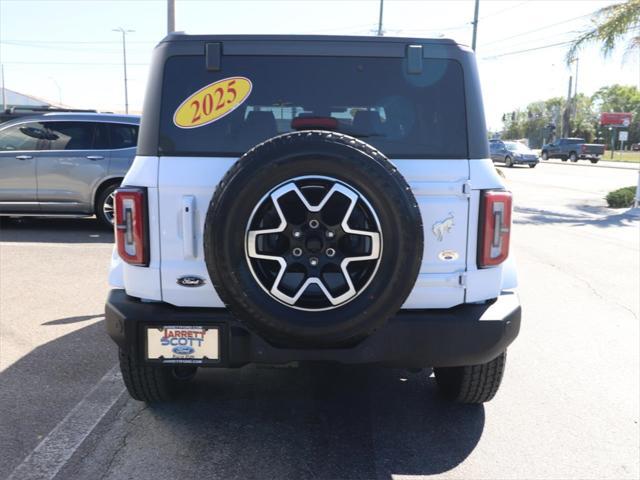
(495, 228)
(131, 225)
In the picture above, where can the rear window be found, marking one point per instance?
(375, 99)
(123, 135)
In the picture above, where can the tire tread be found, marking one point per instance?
(146, 383)
(472, 383)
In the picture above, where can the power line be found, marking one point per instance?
(74, 63)
(527, 50)
(536, 30)
(95, 42)
(558, 37)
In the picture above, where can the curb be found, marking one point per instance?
(624, 166)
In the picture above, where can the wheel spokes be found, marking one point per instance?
(314, 278)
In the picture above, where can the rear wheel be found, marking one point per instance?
(152, 383)
(594, 160)
(544, 155)
(104, 205)
(473, 383)
(508, 162)
(573, 157)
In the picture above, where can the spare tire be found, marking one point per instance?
(313, 239)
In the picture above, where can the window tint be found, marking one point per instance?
(375, 99)
(25, 136)
(72, 135)
(123, 135)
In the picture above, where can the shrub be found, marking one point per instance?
(621, 198)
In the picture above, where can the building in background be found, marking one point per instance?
(10, 98)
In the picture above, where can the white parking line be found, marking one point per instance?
(51, 454)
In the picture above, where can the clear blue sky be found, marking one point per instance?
(66, 50)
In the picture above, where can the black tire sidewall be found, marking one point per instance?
(270, 165)
(99, 207)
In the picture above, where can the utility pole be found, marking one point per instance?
(4, 95)
(171, 16)
(575, 90)
(380, 18)
(566, 116)
(475, 25)
(124, 62)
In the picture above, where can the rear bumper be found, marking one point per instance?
(463, 335)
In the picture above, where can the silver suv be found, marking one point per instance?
(65, 164)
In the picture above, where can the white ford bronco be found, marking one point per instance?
(312, 198)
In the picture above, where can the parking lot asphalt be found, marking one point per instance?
(568, 406)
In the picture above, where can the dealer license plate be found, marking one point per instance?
(182, 344)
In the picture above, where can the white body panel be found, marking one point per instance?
(446, 191)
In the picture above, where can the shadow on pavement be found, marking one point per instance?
(311, 422)
(53, 230)
(68, 320)
(316, 421)
(605, 219)
(38, 390)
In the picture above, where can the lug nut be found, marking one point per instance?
(313, 261)
(297, 252)
(314, 223)
(330, 252)
(296, 234)
(329, 234)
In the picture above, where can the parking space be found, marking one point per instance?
(568, 407)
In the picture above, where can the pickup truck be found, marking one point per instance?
(573, 149)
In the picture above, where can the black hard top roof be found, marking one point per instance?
(183, 37)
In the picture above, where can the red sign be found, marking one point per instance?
(618, 119)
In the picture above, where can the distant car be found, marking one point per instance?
(512, 153)
(573, 149)
(635, 147)
(65, 164)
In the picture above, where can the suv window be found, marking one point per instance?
(25, 136)
(123, 135)
(72, 135)
(404, 115)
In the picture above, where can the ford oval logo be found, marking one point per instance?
(191, 281)
(183, 350)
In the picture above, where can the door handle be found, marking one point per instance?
(95, 157)
(24, 157)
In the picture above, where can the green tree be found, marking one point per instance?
(610, 25)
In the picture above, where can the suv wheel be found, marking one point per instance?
(573, 157)
(313, 239)
(508, 162)
(544, 155)
(151, 383)
(105, 207)
(471, 384)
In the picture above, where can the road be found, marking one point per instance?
(568, 406)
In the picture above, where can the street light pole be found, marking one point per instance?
(124, 62)
(475, 25)
(4, 95)
(380, 18)
(171, 16)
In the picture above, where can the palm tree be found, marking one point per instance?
(610, 24)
